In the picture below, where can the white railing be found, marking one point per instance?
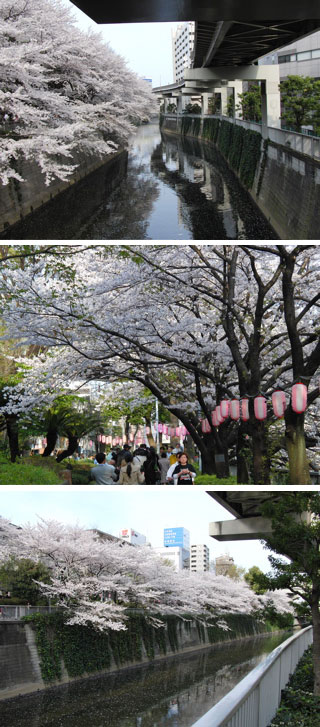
(303, 143)
(255, 700)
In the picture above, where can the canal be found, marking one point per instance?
(170, 693)
(176, 189)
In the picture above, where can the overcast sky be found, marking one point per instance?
(145, 46)
(147, 510)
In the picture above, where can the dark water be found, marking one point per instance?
(172, 693)
(176, 189)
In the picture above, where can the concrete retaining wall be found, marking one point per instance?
(286, 188)
(20, 671)
(31, 210)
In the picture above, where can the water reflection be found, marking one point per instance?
(171, 693)
(176, 188)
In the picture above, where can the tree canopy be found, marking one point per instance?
(63, 91)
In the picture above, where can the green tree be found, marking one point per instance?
(256, 579)
(250, 104)
(300, 101)
(19, 578)
(295, 520)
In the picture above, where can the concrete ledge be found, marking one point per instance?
(251, 528)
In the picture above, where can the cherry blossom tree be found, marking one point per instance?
(95, 579)
(62, 91)
(192, 326)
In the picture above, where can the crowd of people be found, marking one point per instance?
(143, 467)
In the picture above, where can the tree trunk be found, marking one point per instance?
(296, 448)
(72, 446)
(242, 465)
(52, 436)
(261, 459)
(13, 437)
(316, 642)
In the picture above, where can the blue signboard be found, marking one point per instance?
(176, 537)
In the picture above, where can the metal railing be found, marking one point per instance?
(16, 613)
(303, 143)
(255, 700)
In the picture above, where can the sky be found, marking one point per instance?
(147, 510)
(146, 47)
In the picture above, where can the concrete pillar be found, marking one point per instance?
(205, 103)
(181, 103)
(224, 100)
(237, 89)
(270, 106)
(166, 101)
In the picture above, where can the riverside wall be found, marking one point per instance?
(33, 210)
(286, 184)
(20, 657)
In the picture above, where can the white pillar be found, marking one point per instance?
(237, 89)
(205, 103)
(224, 100)
(270, 106)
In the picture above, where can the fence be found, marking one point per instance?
(16, 613)
(255, 700)
(303, 143)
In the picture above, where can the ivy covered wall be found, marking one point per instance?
(80, 651)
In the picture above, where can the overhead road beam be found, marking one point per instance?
(252, 528)
(241, 41)
(207, 11)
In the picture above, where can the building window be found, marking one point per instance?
(305, 56)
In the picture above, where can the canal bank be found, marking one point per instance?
(43, 651)
(171, 190)
(33, 210)
(283, 182)
(174, 691)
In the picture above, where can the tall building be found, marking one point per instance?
(223, 563)
(199, 558)
(132, 536)
(301, 58)
(182, 49)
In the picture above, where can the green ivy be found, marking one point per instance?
(225, 138)
(186, 125)
(250, 157)
(299, 706)
(84, 651)
(210, 129)
(196, 127)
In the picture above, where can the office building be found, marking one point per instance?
(182, 49)
(132, 536)
(199, 558)
(301, 58)
(223, 563)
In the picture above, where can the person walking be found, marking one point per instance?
(130, 473)
(103, 473)
(150, 468)
(164, 464)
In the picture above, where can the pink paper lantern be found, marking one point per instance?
(160, 428)
(299, 393)
(208, 427)
(245, 410)
(90, 442)
(234, 409)
(165, 429)
(172, 431)
(279, 403)
(184, 431)
(147, 430)
(225, 408)
(103, 439)
(99, 437)
(178, 431)
(260, 407)
(214, 419)
(220, 418)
